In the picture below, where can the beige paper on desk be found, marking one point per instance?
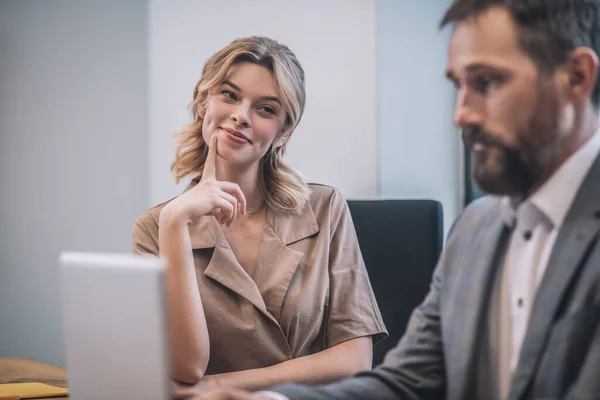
(32, 390)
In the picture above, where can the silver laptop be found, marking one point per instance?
(114, 326)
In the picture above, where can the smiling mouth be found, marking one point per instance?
(236, 135)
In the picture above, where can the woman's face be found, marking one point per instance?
(246, 113)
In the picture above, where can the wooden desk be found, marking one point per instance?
(18, 370)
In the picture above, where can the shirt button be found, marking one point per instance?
(527, 235)
(520, 302)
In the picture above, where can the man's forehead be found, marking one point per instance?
(489, 38)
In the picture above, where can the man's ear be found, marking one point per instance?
(582, 68)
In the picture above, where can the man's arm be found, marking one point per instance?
(587, 385)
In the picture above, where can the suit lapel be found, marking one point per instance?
(576, 235)
(472, 299)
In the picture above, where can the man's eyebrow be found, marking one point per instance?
(476, 67)
(450, 76)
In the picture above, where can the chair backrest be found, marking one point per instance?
(400, 241)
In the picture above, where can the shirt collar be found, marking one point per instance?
(555, 196)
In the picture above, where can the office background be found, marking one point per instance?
(91, 92)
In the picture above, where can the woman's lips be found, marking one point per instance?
(235, 136)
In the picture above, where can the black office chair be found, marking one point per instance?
(400, 241)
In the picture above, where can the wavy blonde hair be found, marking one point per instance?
(282, 187)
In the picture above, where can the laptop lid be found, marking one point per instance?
(114, 326)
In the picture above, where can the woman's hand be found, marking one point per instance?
(236, 394)
(225, 394)
(209, 197)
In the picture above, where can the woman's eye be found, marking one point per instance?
(267, 109)
(229, 95)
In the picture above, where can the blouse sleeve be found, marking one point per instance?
(145, 235)
(353, 310)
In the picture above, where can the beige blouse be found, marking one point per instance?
(310, 289)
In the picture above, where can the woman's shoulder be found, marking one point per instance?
(325, 198)
(145, 231)
(322, 192)
(149, 218)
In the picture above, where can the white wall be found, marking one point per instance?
(91, 92)
(336, 142)
(73, 152)
(418, 145)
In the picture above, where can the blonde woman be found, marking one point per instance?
(265, 280)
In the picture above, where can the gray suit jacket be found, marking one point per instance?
(436, 358)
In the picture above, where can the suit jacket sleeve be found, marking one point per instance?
(587, 384)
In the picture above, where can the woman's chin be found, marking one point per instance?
(234, 159)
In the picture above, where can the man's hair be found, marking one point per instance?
(548, 29)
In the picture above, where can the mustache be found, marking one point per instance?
(475, 134)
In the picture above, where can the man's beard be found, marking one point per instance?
(510, 174)
(519, 168)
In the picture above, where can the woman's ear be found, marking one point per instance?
(201, 110)
(283, 138)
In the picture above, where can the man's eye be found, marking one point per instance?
(484, 83)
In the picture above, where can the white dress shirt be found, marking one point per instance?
(268, 395)
(536, 222)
